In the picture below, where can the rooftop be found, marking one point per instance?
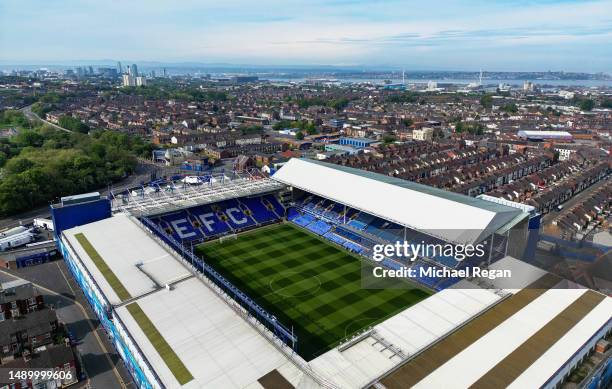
(187, 333)
(447, 215)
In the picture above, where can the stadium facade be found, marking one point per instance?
(177, 322)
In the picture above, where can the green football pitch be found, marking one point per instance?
(306, 283)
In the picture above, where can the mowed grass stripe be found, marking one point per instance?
(306, 283)
(162, 347)
(107, 273)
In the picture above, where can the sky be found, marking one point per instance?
(495, 35)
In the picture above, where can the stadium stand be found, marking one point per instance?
(272, 204)
(319, 227)
(429, 281)
(258, 210)
(463, 336)
(361, 228)
(213, 220)
(234, 215)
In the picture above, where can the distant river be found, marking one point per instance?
(485, 81)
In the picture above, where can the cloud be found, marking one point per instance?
(308, 32)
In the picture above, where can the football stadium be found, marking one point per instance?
(240, 280)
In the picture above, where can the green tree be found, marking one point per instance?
(299, 135)
(13, 118)
(405, 97)
(586, 104)
(73, 124)
(510, 108)
(43, 164)
(486, 101)
(28, 138)
(388, 138)
(338, 104)
(408, 122)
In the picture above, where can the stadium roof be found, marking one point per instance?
(192, 338)
(522, 341)
(544, 134)
(188, 335)
(157, 200)
(449, 216)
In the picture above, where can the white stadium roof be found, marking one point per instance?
(449, 216)
(216, 345)
(544, 134)
(220, 348)
(529, 338)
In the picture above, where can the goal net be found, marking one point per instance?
(228, 237)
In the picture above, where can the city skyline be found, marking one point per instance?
(512, 35)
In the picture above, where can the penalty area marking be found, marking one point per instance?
(346, 329)
(305, 293)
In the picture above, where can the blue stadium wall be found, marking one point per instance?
(103, 311)
(65, 217)
(533, 237)
(602, 378)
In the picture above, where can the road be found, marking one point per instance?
(27, 111)
(548, 218)
(100, 361)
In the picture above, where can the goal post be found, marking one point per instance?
(228, 237)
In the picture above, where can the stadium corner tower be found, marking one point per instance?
(239, 280)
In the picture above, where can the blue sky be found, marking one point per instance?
(446, 35)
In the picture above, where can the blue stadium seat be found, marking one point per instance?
(348, 234)
(276, 205)
(447, 283)
(304, 220)
(258, 210)
(182, 227)
(292, 214)
(353, 247)
(319, 227)
(446, 260)
(334, 238)
(235, 215)
(357, 224)
(425, 280)
(211, 225)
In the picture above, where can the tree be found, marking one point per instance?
(255, 129)
(586, 104)
(338, 104)
(28, 138)
(281, 125)
(42, 164)
(310, 128)
(405, 97)
(510, 108)
(41, 109)
(486, 101)
(606, 103)
(13, 117)
(299, 135)
(474, 129)
(73, 124)
(388, 138)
